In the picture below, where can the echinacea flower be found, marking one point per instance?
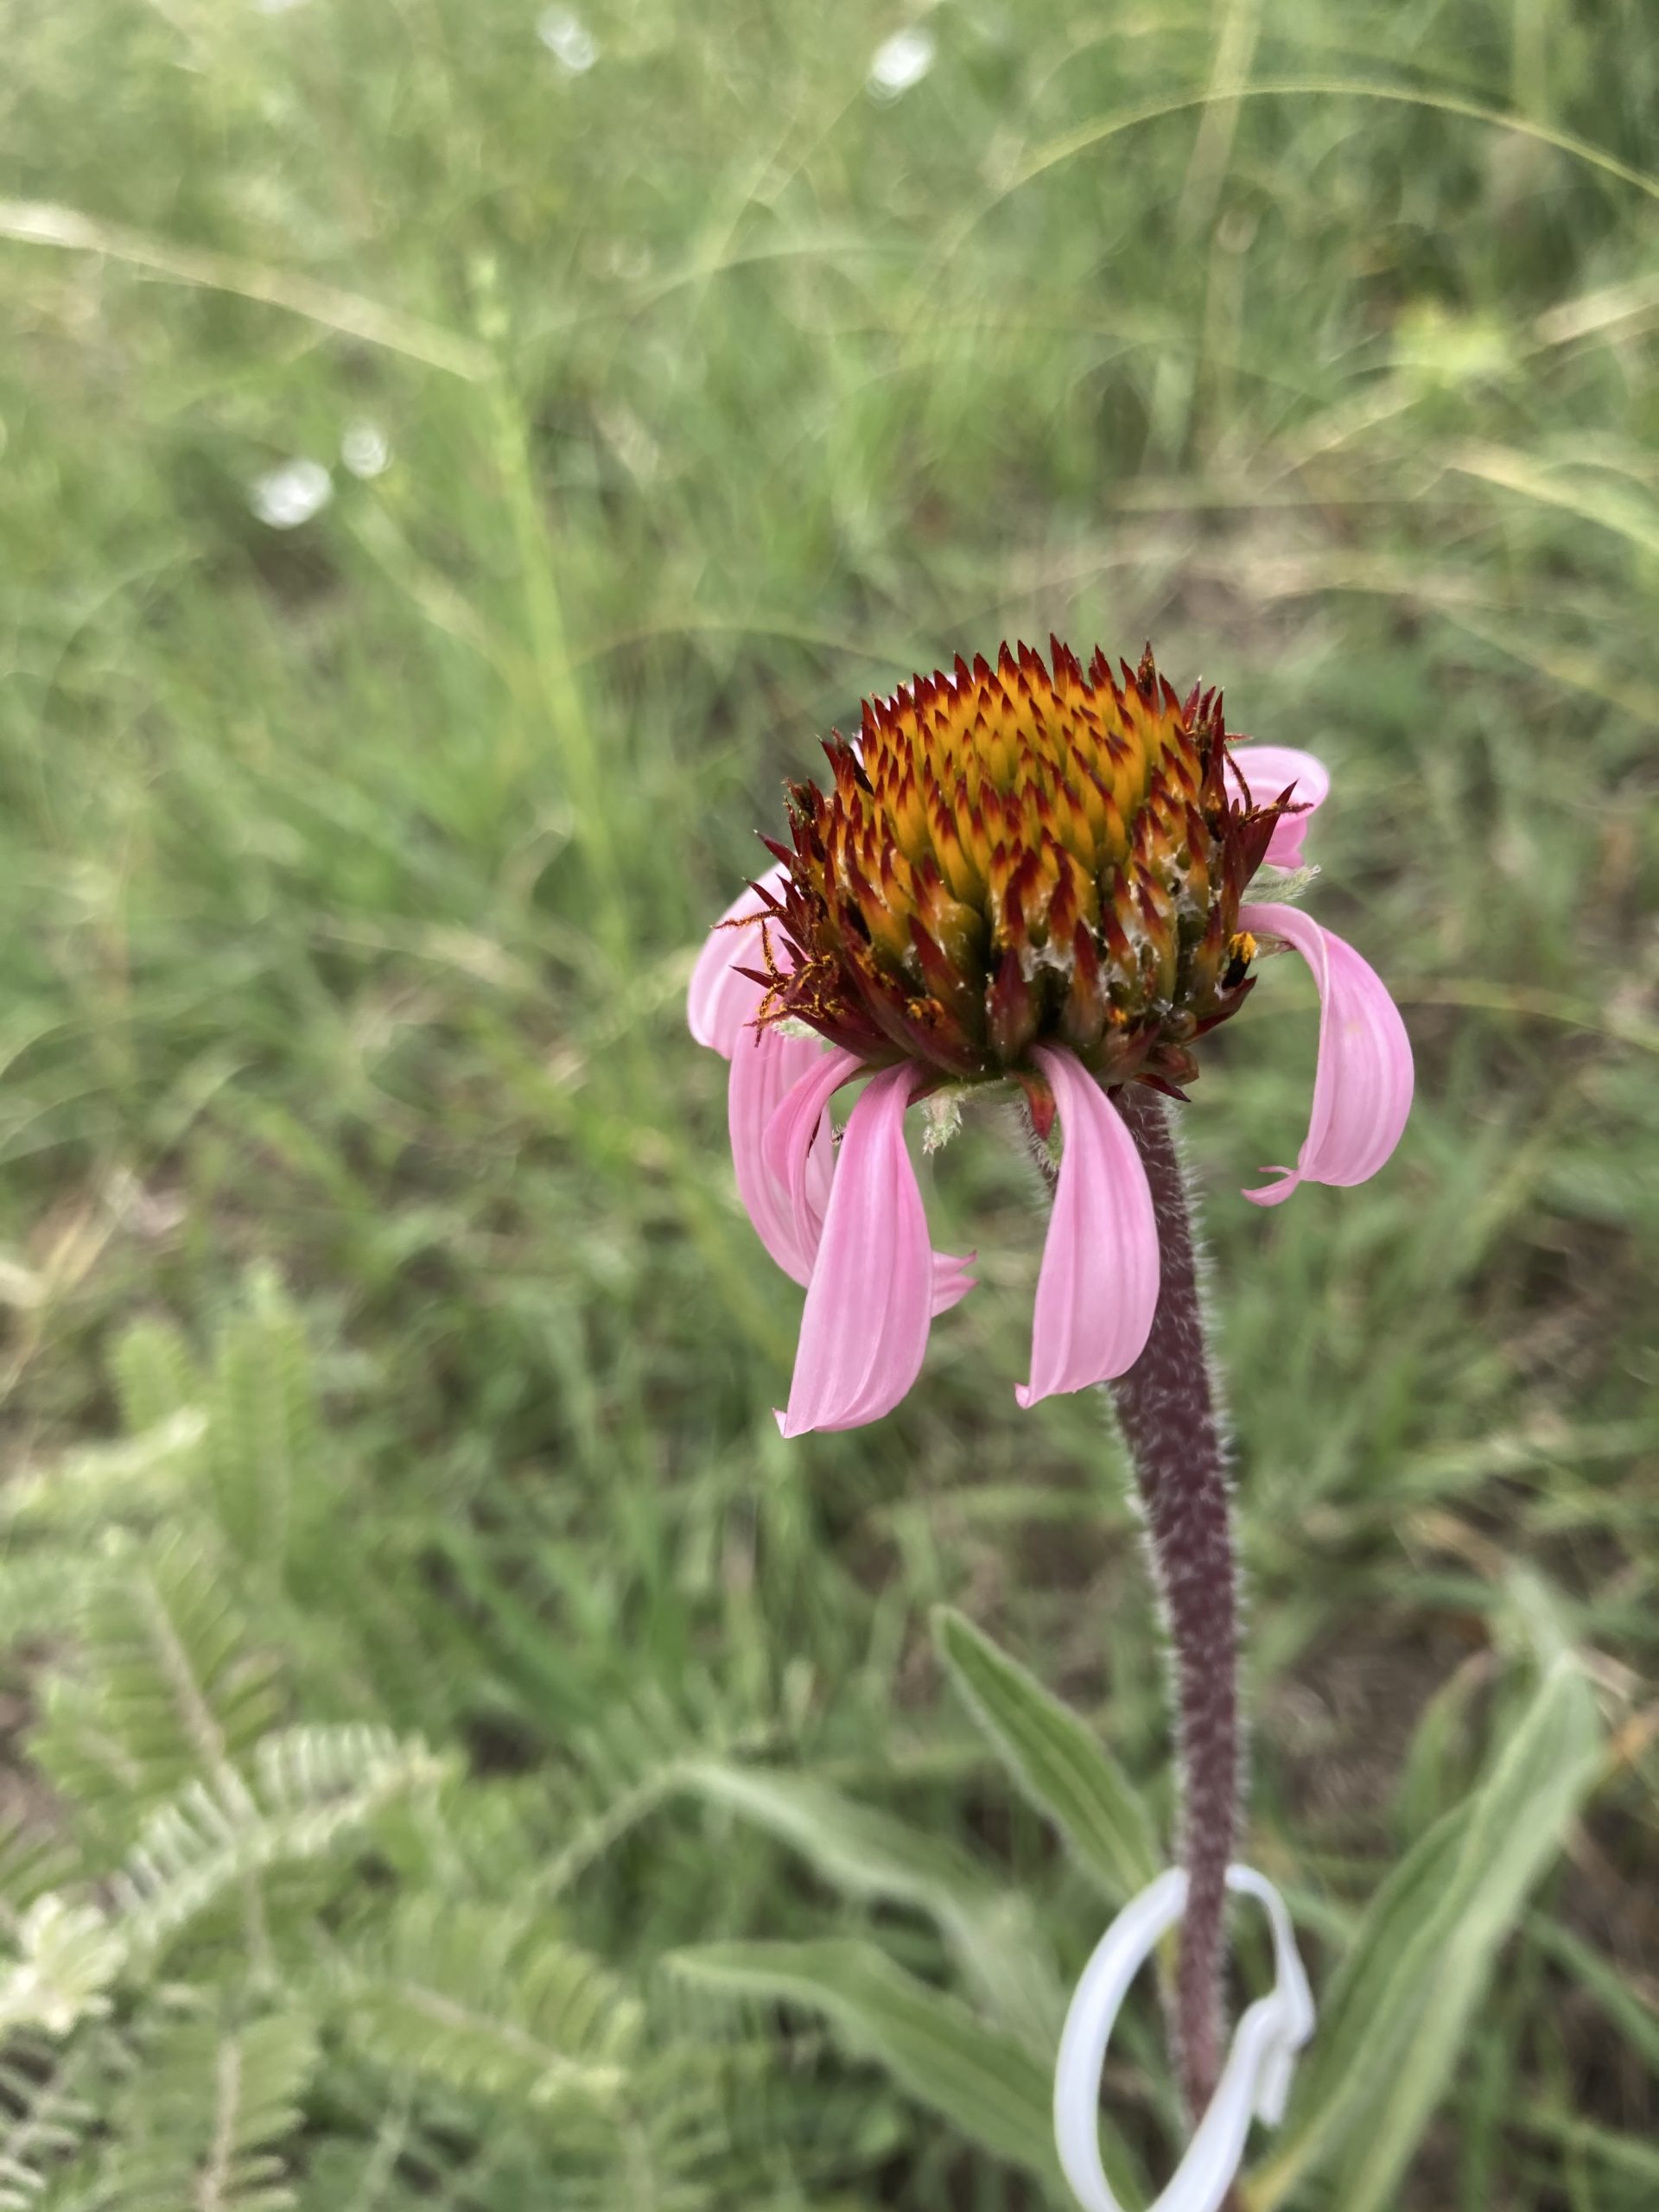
(1026, 873)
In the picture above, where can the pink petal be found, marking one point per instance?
(1363, 1082)
(793, 1147)
(772, 1073)
(798, 1152)
(864, 1331)
(951, 1283)
(1262, 772)
(720, 1004)
(1097, 1289)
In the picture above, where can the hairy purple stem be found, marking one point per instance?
(1166, 1409)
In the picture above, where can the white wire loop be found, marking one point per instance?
(1254, 2082)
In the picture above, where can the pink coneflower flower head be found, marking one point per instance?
(1031, 873)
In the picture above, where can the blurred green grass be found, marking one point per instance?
(350, 874)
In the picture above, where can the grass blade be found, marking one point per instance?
(988, 2086)
(866, 1854)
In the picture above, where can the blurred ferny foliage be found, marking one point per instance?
(258, 1959)
(456, 456)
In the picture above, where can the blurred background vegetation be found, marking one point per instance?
(456, 458)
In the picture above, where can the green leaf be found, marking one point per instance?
(153, 1374)
(312, 1788)
(264, 1448)
(45, 2117)
(1636, 2020)
(167, 1686)
(204, 2111)
(1380, 1973)
(1054, 1759)
(866, 1854)
(32, 1859)
(1627, 2154)
(134, 1480)
(492, 2002)
(1400, 2007)
(986, 2085)
(39, 1592)
(67, 1956)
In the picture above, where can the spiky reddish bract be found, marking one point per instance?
(1017, 855)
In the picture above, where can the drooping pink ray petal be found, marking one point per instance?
(719, 1002)
(1262, 772)
(1363, 1082)
(864, 1331)
(797, 1151)
(951, 1282)
(1097, 1288)
(792, 1141)
(768, 1071)
(791, 1149)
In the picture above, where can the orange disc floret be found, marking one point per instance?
(1016, 856)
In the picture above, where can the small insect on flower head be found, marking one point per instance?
(1035, 873)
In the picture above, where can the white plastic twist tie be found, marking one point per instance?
(1254, 2082)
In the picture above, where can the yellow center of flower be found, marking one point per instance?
(1018, 854)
